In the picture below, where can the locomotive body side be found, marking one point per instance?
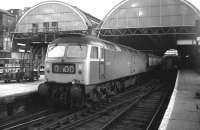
(123, 62)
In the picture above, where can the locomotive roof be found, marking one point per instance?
(85, 39)
(75, 39)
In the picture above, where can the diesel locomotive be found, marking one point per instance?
(170, 62)
(80, 66)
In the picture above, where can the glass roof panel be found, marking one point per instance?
(66, 17)
(151, 13)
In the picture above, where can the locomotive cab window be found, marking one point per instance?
(78, 51)
(94, 53)
(56, 51)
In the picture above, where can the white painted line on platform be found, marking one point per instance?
(168, 112)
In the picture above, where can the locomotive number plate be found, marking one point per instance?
(64, 68)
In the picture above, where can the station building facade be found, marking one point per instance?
(7, 25)
(48, 20)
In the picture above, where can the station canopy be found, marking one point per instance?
(150, 24)
(55, 16)
(47, 21)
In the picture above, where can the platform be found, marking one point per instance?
(9, 91)
(183, 112)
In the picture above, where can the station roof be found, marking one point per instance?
(150, 24)
(63, 15)
(151, 13)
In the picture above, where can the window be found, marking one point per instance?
(56, 51)
(34, 27)
(94, 53)
(54, 26)
(46, 26)
(77, 51)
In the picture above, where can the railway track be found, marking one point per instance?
(137, 116)
(106, 121)
(25, 120)
(73, 120)
(22, 119)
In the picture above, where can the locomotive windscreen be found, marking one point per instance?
(56, 51)
(77, 51)
(73, 51)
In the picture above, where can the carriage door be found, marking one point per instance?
(101, 63)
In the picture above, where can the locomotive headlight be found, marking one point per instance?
(74, 81)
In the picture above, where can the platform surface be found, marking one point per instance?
(183, 112)
(13, 89)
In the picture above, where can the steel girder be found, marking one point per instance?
(148, 31)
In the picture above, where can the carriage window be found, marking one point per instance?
(94, 52)
(77, 51)
(56, 51)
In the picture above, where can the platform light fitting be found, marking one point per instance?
(21, 44)
(134, 5)
(20, 50)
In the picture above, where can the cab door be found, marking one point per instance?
(101, 63)
(94, 65)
